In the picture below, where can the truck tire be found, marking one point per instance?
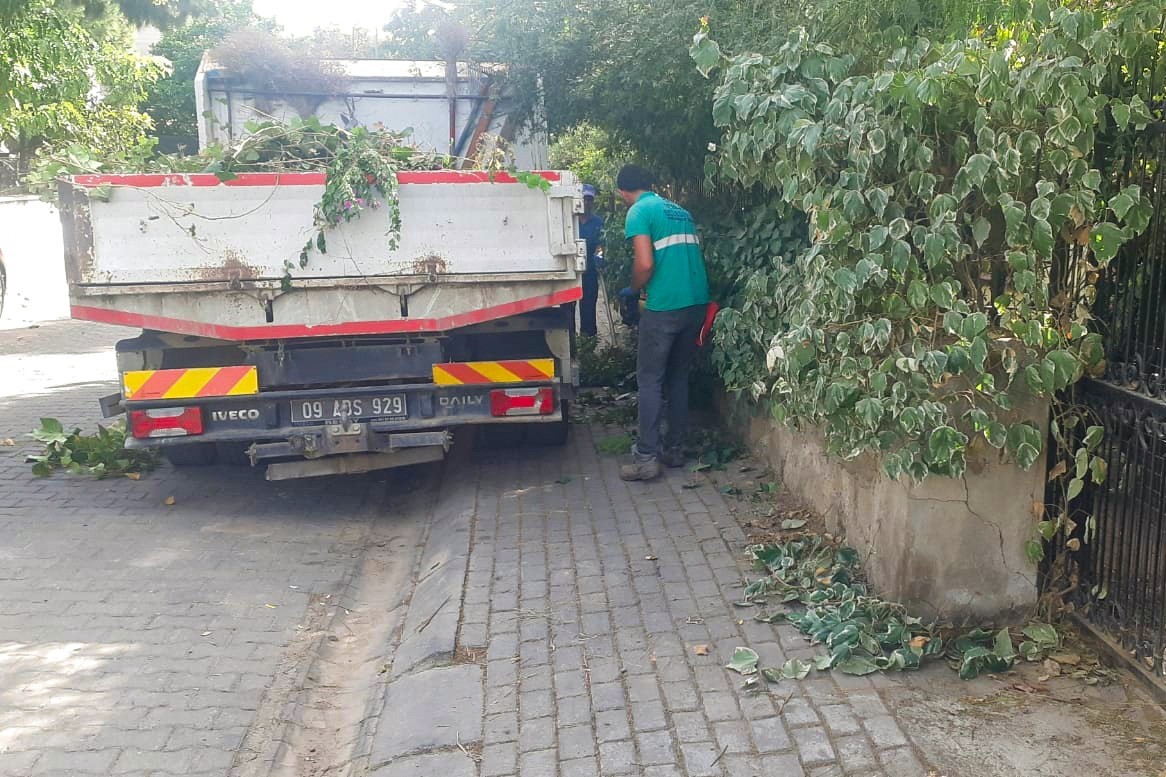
(199, 454)
(552, 435)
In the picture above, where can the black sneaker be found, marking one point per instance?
(673, 457)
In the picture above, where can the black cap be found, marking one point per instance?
(633, 178)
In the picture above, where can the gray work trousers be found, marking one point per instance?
(666, 351)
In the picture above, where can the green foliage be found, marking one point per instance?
(100, 455)
(162, 14)
(590, 153)
(62, 80)
(619, 445)
(861, 632)
(605, 364)
(170, 100)
(942, 189)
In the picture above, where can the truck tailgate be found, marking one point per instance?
(191, 254)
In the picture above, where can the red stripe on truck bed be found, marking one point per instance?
(280, 331)
(145, 181)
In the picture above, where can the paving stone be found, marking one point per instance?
(662, 771)
(608, 696)
(813, 745)
(536, 704)
(616, 758)
(433, 708)
(681, 696)
(502, 727)
(574, 711)
(540, 763)
(648, 716)
(576, 742)
(785, 765)
(769, 735)
(611, 726)
(855, 754)
(798, 712)
(720, 706)
(840, 719)
(536, 733)
(656, 747)
(499, 759)
(744, 766)
(580, 767)
(732, 736)
(826, 770)
(884, 731)
(699, 759)
(691, 727)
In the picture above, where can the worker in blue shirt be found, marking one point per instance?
(591, 231)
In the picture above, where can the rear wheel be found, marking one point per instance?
(199, 454)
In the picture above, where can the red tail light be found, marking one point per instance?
(166, 422)
(522, 401)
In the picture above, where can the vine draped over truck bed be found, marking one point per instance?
(360, 167)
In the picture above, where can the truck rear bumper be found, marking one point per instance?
(350, 420)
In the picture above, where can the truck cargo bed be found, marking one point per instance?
(193, 255)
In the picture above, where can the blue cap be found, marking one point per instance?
(588, 190)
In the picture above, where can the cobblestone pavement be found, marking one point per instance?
(518, 613)
(137, 638)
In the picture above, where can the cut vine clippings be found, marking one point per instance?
(816, 586)
(957, 230)
(360, 166)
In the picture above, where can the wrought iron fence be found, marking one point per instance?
(1122, 561)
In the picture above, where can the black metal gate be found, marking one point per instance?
(1122, 564)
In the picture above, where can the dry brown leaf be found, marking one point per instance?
(134, 475)
(8, 442)
(700, 650)
(1058, 470)
(919, 641)
(1052, 668)
(168, 501)
(1038, 509)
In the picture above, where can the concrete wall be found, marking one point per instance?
(947, 548)
(30, 240)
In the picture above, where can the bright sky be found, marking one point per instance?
(300, 17)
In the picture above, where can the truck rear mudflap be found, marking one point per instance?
(381, 425)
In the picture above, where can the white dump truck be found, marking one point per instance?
(375, 353)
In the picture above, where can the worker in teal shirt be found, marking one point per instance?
(669, 266)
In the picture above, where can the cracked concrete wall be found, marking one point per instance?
(948, 548)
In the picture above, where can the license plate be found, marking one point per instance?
(379, 407)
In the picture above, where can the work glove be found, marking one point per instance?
(629, 306)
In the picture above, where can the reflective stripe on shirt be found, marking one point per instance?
(675, 240)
